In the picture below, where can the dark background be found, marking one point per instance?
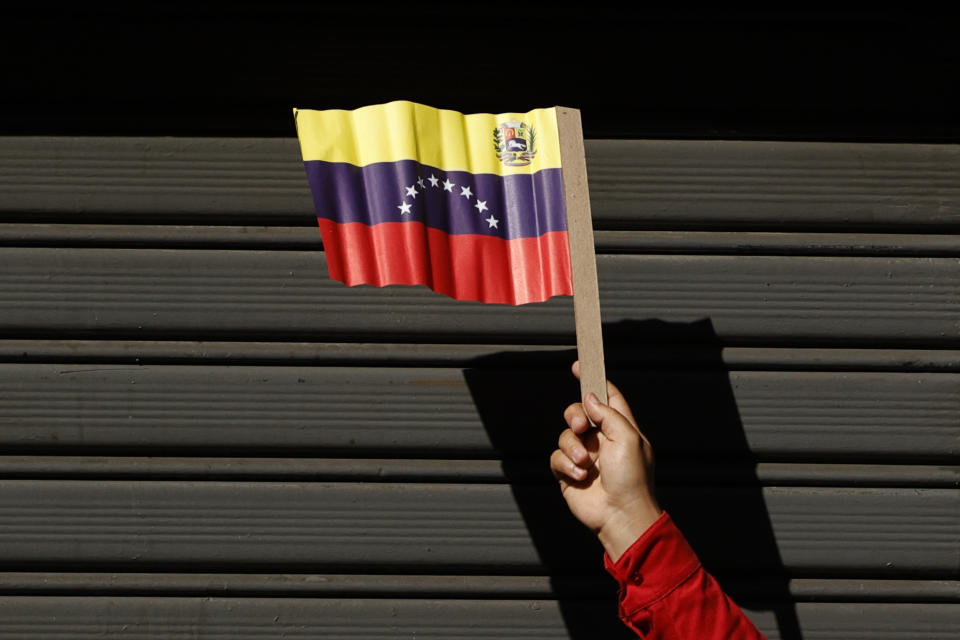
(207, 68)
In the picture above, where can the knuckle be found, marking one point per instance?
(574, 409)
(558, 460)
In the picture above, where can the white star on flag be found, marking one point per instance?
(404, 208)
(465, 192)
(421, 183)
(492, 222)
(448, 186)
(412, 191)
(481, 206)
(434, 180)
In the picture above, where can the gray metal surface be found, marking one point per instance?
(423, 586)
(70, 617)
(456, 470)
(679, 356)
(888, 531)
(205, 437)
(149, 291)
(307, 236)
(769, 184)
(632, 182)
(367, 409)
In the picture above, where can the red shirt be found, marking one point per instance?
(666, 594)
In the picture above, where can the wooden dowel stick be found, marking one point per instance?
(583, 261)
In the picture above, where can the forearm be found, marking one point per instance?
(666, 593)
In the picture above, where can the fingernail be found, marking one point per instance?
(593, 399)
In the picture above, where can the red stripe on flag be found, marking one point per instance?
(462, 266)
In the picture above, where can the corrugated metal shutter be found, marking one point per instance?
(205, 437)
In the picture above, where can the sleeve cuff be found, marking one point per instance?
(654, 565)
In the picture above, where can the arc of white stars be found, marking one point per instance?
(466, 192)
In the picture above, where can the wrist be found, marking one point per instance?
(623, 528)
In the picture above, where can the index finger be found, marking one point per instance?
(576, 417)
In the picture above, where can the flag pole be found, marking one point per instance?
(583, 262)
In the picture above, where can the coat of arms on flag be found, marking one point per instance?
(408, 194)
(515, 142)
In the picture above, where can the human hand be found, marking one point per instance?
(606, 472)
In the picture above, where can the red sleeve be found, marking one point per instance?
(666, 594)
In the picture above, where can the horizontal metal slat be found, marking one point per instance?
(410, 411)
(308, 237)
(633, 182)
(459, 470)
(302, 237)
(884, 532)
(168, 292)
(219, 617)
(151, 176)
(672, 356)
(444, 586)
(772, 243)
(770, 184)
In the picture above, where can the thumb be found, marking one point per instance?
(611, 422)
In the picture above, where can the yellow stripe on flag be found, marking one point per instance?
(440, 138)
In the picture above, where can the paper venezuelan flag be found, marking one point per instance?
(469, 205)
